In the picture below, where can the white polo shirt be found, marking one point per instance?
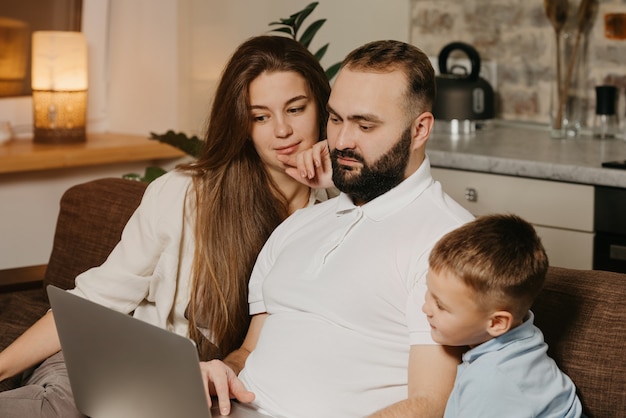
(336, 280)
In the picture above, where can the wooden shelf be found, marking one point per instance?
(20, 155)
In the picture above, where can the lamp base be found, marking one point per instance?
(59, 135)
(59, 116)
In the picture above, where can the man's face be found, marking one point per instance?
(371, 180)
(368, 133)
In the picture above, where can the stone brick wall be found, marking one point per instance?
(519, 37)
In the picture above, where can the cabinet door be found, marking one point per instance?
(561, 212)
(566, 248)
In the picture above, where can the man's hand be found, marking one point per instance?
(221, 381)
(311, 167)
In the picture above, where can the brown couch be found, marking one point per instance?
(581, 312)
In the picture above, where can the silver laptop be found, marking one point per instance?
(121, 367)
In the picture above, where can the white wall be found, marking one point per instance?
(166, 55)
(143, 66)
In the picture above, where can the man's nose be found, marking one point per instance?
(344, 138)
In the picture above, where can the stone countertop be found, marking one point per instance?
(526, 150)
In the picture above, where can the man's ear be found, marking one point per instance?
(421, 128)
(499, 323)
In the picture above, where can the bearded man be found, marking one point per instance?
(336, 293)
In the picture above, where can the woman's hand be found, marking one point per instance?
(221, 381)
(311, 167)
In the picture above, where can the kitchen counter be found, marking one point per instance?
(526, 150)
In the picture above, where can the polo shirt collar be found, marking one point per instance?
(393, 200)
(524, 331)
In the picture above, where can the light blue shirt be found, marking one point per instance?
(512, 376)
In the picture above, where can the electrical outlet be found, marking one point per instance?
(488, 69)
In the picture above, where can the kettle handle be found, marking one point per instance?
(469, 50)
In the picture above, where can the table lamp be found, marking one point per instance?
(59, 83)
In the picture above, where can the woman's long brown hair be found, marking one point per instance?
(236, 203)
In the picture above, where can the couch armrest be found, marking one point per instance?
(582, 314)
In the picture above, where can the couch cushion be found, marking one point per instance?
(582, 314)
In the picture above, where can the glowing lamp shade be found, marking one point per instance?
(59, 83)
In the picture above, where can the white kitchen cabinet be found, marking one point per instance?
(562, 213)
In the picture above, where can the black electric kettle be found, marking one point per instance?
(462, 96)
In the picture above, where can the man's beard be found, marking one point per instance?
(377, 178)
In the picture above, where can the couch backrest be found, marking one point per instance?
(90, 223)
(582, 314)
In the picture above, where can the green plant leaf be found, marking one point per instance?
(291, 26)
(310, 32)
(332, 70)
(301, 15)
(191, 146)
(288, 31)
(321, 52)
(152, 173)
(132, 176)
(290, 21)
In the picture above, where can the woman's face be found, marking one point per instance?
(284, 116)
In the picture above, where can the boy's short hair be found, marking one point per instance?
(500, 257)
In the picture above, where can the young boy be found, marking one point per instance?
(482, 280)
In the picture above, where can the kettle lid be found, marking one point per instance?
(471, 53)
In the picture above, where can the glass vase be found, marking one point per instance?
(569, 89)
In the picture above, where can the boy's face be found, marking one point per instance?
(453, 312)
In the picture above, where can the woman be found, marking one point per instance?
(186, 254)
